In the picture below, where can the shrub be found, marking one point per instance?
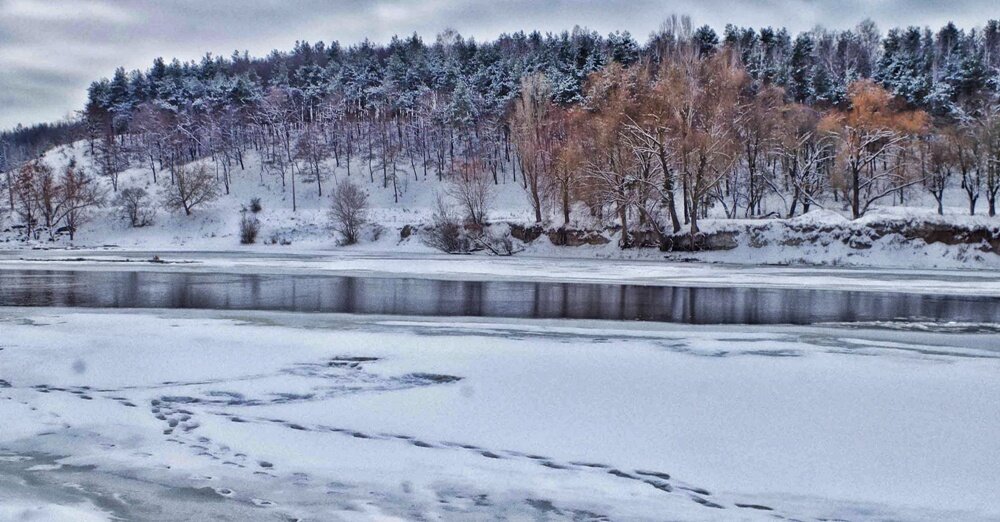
(279, 239)
(447, 235)
(249, 227)
(255, 205)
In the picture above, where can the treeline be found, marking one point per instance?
(648, 136)
(21, 143)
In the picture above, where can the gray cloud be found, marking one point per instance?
(50, 50)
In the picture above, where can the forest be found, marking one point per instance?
(650, 137)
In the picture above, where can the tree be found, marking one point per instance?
(610, 163)
(134, 207)
(652, 133)
(803, 153)
(349, 211)
(757, 131)
(988, 138)
(715, 106)
(46, 194)
(937, 161)
(26, 203)
(868, 135)
(570, 160)
(312, 150)
(193, 187)
(78, 194)
(532, 127)
(968, 159)
(472, 189)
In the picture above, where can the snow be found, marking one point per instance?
(25, 512)
(349, 417)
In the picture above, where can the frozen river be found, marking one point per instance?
(113, 288)
(184, 392)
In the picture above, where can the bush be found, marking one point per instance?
(349, 211)
(448, 235)
(278, 239)
(134, 207)
(255, 205)
(249, 228)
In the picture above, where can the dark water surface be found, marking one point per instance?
(399, 296)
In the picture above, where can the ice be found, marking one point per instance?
(23, 511)
(347, 262)
(350, 417)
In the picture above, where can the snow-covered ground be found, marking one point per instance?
(251, 415)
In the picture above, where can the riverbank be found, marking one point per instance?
(883, 240)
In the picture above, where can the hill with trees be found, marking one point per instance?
(647, 138)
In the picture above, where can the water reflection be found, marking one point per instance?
(360, 295)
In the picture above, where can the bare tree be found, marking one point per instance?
(134, 207)
(802, 153)
(192, 187)
(78, 195)
(311, 150)
(937, 161)
(988, 138)
(532, 122)
(969, 160)
(473, 191)
(349, 211)
(25, 195)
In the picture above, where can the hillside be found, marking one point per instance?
(821, 237)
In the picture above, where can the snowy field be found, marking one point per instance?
(171, 415)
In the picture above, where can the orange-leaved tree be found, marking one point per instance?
(872, 136)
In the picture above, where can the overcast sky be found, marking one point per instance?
(50, 50)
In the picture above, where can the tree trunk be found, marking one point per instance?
(855, 193)
(623, 217)
(694, 222)
(565, 203)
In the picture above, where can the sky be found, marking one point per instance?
(50, 50)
